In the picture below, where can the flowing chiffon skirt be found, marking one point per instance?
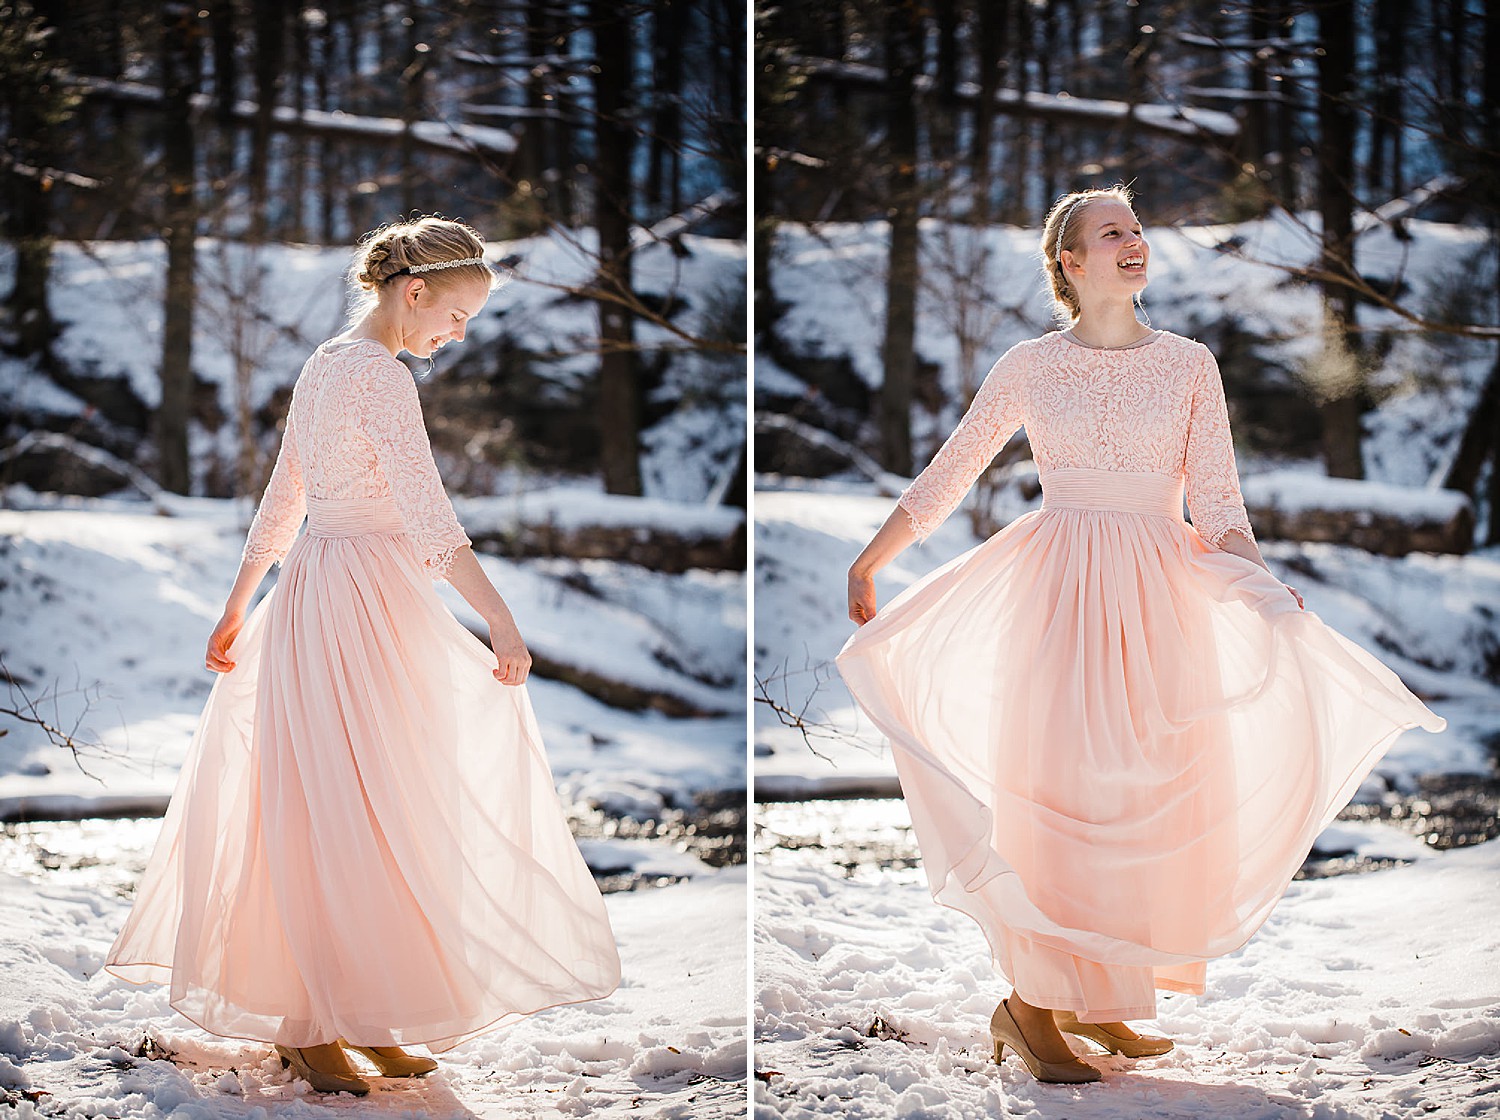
(365, 840)
(1117, 742)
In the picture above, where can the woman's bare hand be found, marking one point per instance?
(861, 598)
(512, 658)
(225, 631)
(1296, 595)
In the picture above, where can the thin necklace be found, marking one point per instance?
(1074, 335)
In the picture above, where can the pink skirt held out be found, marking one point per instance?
(1117, 742)
(365, 840)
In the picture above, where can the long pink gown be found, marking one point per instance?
(365, 840)
(1116, 741)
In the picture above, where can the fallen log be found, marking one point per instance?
(1378, 517)
(663, 536)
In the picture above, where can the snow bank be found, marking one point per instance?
(1296, 491)
(576, 508)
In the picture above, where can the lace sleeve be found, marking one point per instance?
(282, 507)
(391, 415)
(1212, 482)
(990, 421)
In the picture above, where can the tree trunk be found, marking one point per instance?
(993, 18)
(1019, 211)
(562, 147)
(1255, 141)
(903, 52)
(270, 33)
(28, 225)
(327, 165)
(663, 174)
(298, 145)
(1386, 123)
(179, 228)
(226, 75)
(1479, 441)
(619, 393)
(942, 116)
(1286, 120)
(532, 138)
(1342, 391)
(411, 102)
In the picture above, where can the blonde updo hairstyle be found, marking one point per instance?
(1063, 221)
(389, 251)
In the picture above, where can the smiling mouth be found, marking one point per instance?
(1136, 262)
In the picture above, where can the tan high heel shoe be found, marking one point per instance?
(1005, 1031)
(324, 1081)
(1147, 1046)
(392, 1061)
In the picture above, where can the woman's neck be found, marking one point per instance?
(375, 326)
(1112, 324)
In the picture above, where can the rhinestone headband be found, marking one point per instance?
(1062, 227)
(415, 268)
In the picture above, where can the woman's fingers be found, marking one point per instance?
(513, 670)
(217, 657)
(861, 599)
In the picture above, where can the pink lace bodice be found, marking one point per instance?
(354, 430)
(1155, 407)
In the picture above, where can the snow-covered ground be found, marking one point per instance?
(670, 1043)
(1364, 996)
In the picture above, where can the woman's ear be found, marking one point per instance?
(414, 289)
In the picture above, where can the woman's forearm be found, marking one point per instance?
(1242, 546)
(892, 539)
(245, 582)
(469, 580)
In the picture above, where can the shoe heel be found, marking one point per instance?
(999, 1051)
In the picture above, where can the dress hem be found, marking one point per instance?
(439, 1045)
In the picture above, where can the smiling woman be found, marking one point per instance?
(365, 848)
(417, 284)
(1118, 736)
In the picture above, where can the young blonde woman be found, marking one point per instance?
(364, 848)
(1118, 735)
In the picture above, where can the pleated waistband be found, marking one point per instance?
(351, 517)
(1120, 491)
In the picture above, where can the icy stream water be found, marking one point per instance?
(624, 853)
(865, 838)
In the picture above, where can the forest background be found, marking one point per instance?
(604, 127)
(1343, 119)
(1318, 184)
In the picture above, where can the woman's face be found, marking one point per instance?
(435, 316)
(1111, 255)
